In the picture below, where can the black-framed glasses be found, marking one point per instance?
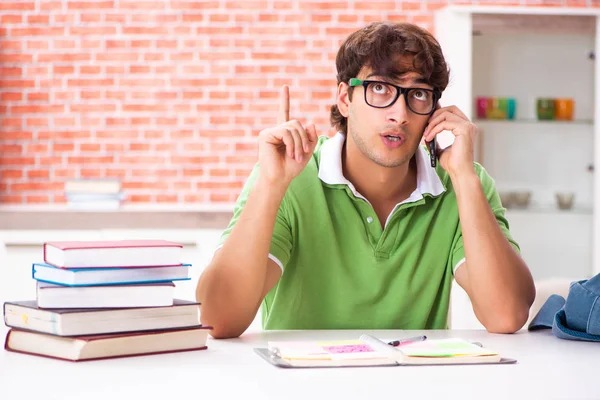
(379, 94)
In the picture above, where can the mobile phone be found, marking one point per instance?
(441, 142)
(432, 153)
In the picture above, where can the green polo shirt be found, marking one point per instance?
(342, 270)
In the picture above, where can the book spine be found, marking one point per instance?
(54, 330)
(41, 355)
(7, 337)
(44, 252)
(108, 357)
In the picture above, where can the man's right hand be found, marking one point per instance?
(284, 150)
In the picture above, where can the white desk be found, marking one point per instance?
(547, 368)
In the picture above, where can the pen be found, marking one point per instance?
(407, 340)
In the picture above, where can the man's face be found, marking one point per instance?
(387, 136)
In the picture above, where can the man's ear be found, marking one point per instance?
(343, 100)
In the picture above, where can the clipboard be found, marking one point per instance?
(369, 351)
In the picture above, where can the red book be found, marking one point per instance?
(97, 347)
(112, 253)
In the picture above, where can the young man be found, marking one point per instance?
(358, 230)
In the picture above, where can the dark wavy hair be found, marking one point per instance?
(382, 46)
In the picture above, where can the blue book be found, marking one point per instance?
(108, 276)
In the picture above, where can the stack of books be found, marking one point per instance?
(106, 299)
(94, 194)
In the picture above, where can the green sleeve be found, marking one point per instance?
(489, 188)
(281, 241)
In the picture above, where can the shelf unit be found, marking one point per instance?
(531, 52)
(517, 121)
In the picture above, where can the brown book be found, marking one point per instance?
(93, 321)
(97, 347)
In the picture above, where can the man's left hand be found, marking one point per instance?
(458, 158)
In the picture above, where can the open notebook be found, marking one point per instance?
(370, 351)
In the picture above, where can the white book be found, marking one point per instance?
(114, 296)
(92, 186)
(99, 205)
(87, 197)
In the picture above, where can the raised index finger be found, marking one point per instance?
(284, 105)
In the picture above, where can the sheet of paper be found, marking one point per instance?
(444, 348)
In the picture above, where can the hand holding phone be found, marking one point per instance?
(450, 127)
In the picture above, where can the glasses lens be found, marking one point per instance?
(420, 101)
(380, 95)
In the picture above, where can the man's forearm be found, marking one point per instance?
(230, 289)
(499, 282)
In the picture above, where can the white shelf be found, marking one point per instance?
(584, 122)
(576, 210)
(520, 10)
(124, 208)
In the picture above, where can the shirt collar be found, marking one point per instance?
(330, 170)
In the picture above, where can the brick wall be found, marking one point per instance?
(167, 95)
